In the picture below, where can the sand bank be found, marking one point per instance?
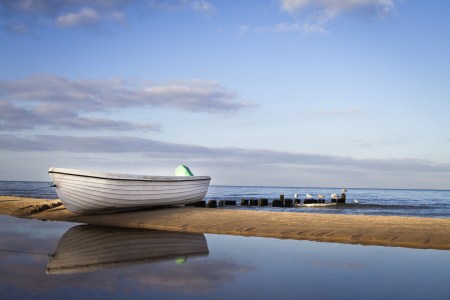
(411, 232)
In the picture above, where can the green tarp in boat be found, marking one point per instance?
(183, 171)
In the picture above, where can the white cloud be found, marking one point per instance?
(313, 28)
(299, 27)
(61, 100)
(327, 9)
(16, 27)
(101, 124)
(196, 5)
(226, 165)
(101, 94)
(318, 12)
(26, 16)
(319, 112)
(211, 156)
(243, 29)
(15, 117)
(119, 17)
(84, 17)
(202, 6)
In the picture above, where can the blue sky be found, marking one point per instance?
(349, 93)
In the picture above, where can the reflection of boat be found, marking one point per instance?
(87, 248)
(87, 192)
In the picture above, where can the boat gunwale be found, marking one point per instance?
(125, 177)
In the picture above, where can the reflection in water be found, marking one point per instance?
(86, 248)
(140, 257)
(236, 267)
(109, 258)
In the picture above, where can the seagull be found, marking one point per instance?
(308, 195)
(334, 195)
(356, 201)
(344, 190)
(321, 196)
(295, 195)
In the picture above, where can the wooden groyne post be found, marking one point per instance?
(212, 203)
(342, 199)
(288, 203)
(253, 202)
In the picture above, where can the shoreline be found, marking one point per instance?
(394, 231)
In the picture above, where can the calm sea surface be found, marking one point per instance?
(387, 202)
(61, 260)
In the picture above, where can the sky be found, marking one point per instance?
(323, 93)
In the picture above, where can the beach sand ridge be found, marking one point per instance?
(411, 232)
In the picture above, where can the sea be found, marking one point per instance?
(64, 260)
(382, 202)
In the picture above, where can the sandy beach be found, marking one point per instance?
(411, 232)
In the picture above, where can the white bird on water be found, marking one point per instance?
(344, 190)
(321, 196)
(295, 195)
(356, 201)
(334, 195)
(308, 195)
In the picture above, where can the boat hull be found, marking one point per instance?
(96, 192)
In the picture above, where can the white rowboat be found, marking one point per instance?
(97, 192)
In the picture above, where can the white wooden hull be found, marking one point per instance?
(86, 248)
(96, 192)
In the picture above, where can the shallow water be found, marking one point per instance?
(413, 203)
(37, 262)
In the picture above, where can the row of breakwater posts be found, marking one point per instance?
(282, 202)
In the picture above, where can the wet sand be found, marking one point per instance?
(411, 232)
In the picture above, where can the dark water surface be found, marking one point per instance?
(30, 189)
(386, 202)
(57, 260)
